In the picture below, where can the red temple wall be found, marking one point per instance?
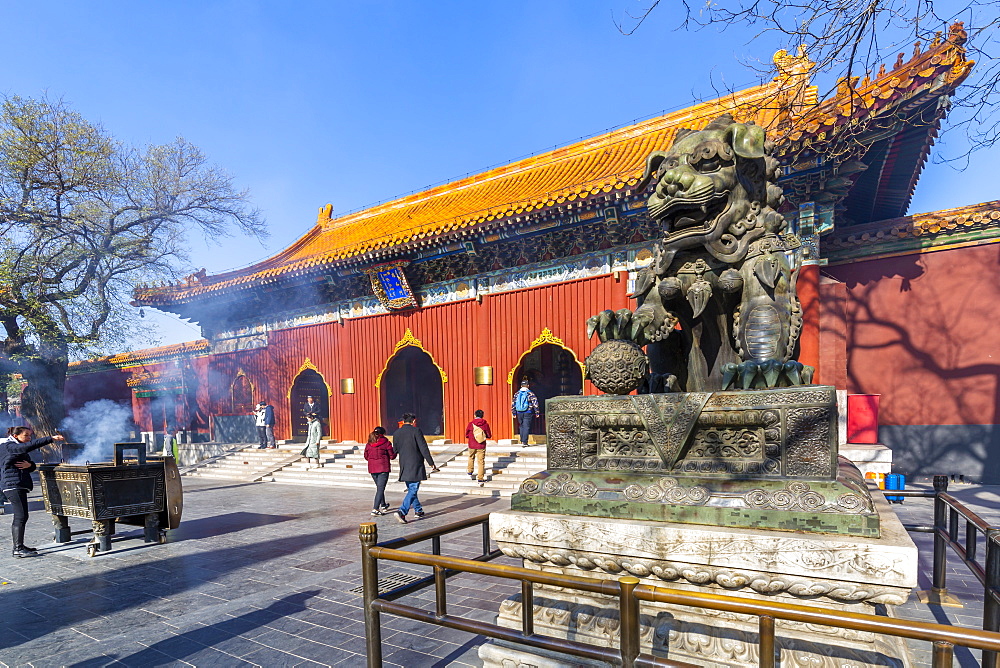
(807, 287)
(832, 334)
(458, 336)
(921, 332)
(107, 384)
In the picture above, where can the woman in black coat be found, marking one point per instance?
(15, 479)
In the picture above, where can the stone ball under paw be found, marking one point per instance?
(617, 366)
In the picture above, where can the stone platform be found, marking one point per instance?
(751, 459)
(736, 492)
(852, 573)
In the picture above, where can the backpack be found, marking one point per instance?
(521, 403)
(478, 434)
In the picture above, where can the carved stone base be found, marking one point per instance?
(500, 654)
(762, 458)
(704, 638)
(829, 571)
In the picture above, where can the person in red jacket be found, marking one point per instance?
(479, 428)
(379, 452)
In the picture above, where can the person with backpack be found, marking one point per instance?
(525, 408)
(477, 432)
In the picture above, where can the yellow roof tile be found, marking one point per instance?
(613, 160)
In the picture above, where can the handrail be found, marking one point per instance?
(948, 512)
(630, 593)
(583, 583)
(856, 621)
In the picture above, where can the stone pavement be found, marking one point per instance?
(984, 500)
(261, 574)
(257, 574)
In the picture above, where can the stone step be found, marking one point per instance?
(344, 465)
(434, 484)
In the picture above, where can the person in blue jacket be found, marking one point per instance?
(15, 479)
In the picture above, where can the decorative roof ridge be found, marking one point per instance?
(962, 219)
(87, 366)
(697, 113)
(387, 231)
(925, 219)
(694, 112)
(852, 98)
(159, 353)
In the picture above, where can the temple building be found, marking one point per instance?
(440, 302)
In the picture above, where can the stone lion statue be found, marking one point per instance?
(717, 307)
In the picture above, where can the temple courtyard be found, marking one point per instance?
(262, 574)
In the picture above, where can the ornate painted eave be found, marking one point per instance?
(924, 232)
(567, 179)
(90, 366)
(160, 354)
(137, 357)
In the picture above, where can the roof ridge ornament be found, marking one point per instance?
(790, 66)
(325, 215)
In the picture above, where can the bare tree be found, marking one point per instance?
(84, 218)
(851, 40)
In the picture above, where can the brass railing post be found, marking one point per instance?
(942, 655)
(938, 578)
(368, 533)
(527, 607)
(766, 641)
(629, 613)
(440, 591)
(486, 538)
(971, 538)
(991, 609)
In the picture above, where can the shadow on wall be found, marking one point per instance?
(927, 450)
(921, 333)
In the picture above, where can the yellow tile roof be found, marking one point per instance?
(160, 353)
(935, 227)
(605, 163)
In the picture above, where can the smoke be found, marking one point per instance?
(98, 425)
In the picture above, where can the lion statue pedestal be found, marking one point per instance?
(732, 484)
(833, 572)
(739, 493)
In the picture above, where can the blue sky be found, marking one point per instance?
(351, 103)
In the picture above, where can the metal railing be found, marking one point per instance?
(629, 593)
(948, 515)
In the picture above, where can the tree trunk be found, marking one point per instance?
(42, 400)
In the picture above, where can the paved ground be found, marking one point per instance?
(257, 574)
(962, 584)
(260, 574)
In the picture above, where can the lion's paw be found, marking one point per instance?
(758, 374)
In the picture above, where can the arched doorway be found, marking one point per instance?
(553, 371)
(308, 383)
(242, 394)
(412, 383)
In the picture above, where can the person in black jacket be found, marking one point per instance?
(411, 448)
(15, 479)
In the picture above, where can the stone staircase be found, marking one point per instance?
(344, 465)
(506, 467)
(250, 464)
